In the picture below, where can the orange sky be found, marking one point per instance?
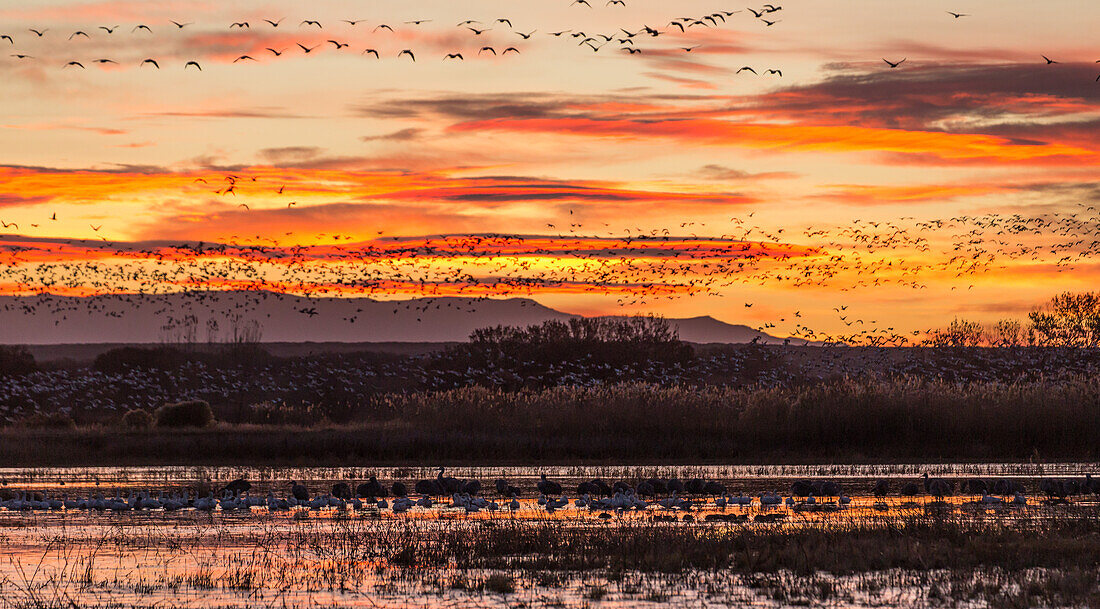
(962, 183)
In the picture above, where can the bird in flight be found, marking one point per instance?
(372, 51)
(241, 58)
(307, 49)
(418, 21)
(1049, 60)
(102, 61)
(192, 63)
(338, 45)
(78, 33)
(407, 52)
(512, 50)
(179, 25)
(8, 38)
(74, 63)
(274, 23)
(454, 56)
(39, 33)
(689, 49)
(308, 22)
(153, 62)
(773, 71)
(142, 27)
(490, 49)
(276, 53)
(894, 64)
(957, 15)
(240, 24)
(96, 228)
(526, 36)
(354, 23)
(109, 30)
(746, 69)
(382, 27)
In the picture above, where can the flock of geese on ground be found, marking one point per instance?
(325, 381)
(594, 495)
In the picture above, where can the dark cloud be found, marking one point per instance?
(942, 97)
(290, 154)
(728, 174)
(403, 135)
(10, 200)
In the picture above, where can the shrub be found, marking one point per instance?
(194, 413)
(16, 361)
(137, 419)
(500, 583)
(56, 420)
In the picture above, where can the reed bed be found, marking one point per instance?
(849, 420)
(1047, 558)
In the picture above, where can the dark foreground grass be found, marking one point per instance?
(916, 543)
(842, 421)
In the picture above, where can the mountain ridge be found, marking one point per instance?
(272, 317)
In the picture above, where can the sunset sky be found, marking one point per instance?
(964, 182)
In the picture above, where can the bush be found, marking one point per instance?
(137, 419)
(194, 413)
(56, 420)
(16, 361)
(500, 583)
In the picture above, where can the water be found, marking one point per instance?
(372, 558)
(751, 476)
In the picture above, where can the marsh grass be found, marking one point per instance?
(1049, 558)
(845, 420)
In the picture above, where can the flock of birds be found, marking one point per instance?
(624, 40)
(593, 495)
(637, 268)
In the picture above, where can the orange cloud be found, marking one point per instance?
(938, 146)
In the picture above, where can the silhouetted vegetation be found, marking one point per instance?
(837, 421)
(542, 355)
(137, 419)
(56, 420)
(193, 413)
(579, 390)
(16, 361)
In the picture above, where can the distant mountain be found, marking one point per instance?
(279, 318)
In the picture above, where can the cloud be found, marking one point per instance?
(401, 135)
(728, 174)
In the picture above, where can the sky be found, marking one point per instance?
(964, 182)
